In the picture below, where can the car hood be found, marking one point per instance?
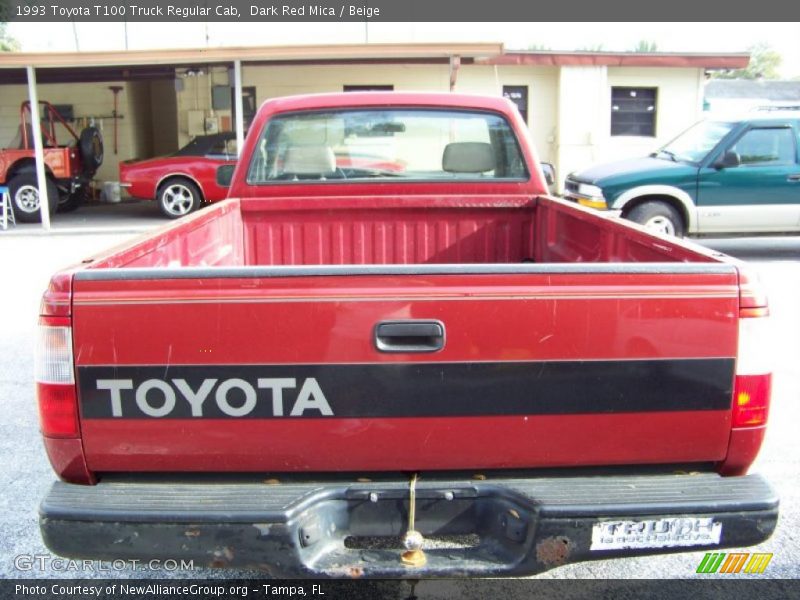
(634, 170)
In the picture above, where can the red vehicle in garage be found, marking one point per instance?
(69, 164)
(182, 181)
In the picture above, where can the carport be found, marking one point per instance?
(83, 67)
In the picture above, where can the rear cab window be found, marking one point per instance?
(352, 145)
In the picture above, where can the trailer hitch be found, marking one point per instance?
(412, 540)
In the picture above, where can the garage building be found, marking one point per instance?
(581, 107)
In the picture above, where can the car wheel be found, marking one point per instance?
(24, 192)
(659, 217)
(178, 198)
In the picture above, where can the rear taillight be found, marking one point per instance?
(753, 381)
(55, 379)
(56, 394)
(754, 364)
(751, 400)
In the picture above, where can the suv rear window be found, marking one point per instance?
(370, 144)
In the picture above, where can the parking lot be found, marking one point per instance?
(30, 257)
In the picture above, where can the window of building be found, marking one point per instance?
(518, 94)
(368, 88)
(633, 111)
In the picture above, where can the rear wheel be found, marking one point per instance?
(178, 197)
(24, 192)
(659, 217)
(74, 200)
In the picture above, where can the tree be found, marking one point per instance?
(7, 43)
(539, 48)
(592, 48)
(764, 64)
(645, 47)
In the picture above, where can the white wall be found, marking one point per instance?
(542, 85)
(679, 105)
(584, 124)
(583, 117)
(285, 80)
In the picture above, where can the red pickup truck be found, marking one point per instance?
(391, 353)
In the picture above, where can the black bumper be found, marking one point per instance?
(508, 526)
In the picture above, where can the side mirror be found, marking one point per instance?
(728, 160)
(224, 175)
(549, 173)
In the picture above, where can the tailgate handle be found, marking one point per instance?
(409, 336)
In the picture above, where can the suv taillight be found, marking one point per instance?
(55, 380)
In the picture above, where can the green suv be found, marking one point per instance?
(721, 176)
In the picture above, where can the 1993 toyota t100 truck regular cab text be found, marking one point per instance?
(391, 331)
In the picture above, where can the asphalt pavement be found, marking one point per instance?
(30, 257)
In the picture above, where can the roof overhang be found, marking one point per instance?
(620, 59)
(132, 65)
(193, 56)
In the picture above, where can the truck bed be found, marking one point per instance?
(397, 230)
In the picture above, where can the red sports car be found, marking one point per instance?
(181, 181)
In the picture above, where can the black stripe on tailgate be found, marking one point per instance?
(405, 390)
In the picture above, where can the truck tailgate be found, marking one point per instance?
(275, 369)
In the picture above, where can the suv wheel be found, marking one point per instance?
(659, 217)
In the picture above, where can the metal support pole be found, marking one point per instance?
(38, 149)
(237, 81)
(455, 63)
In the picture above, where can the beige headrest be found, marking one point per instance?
(468, 157)
(309, 160)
